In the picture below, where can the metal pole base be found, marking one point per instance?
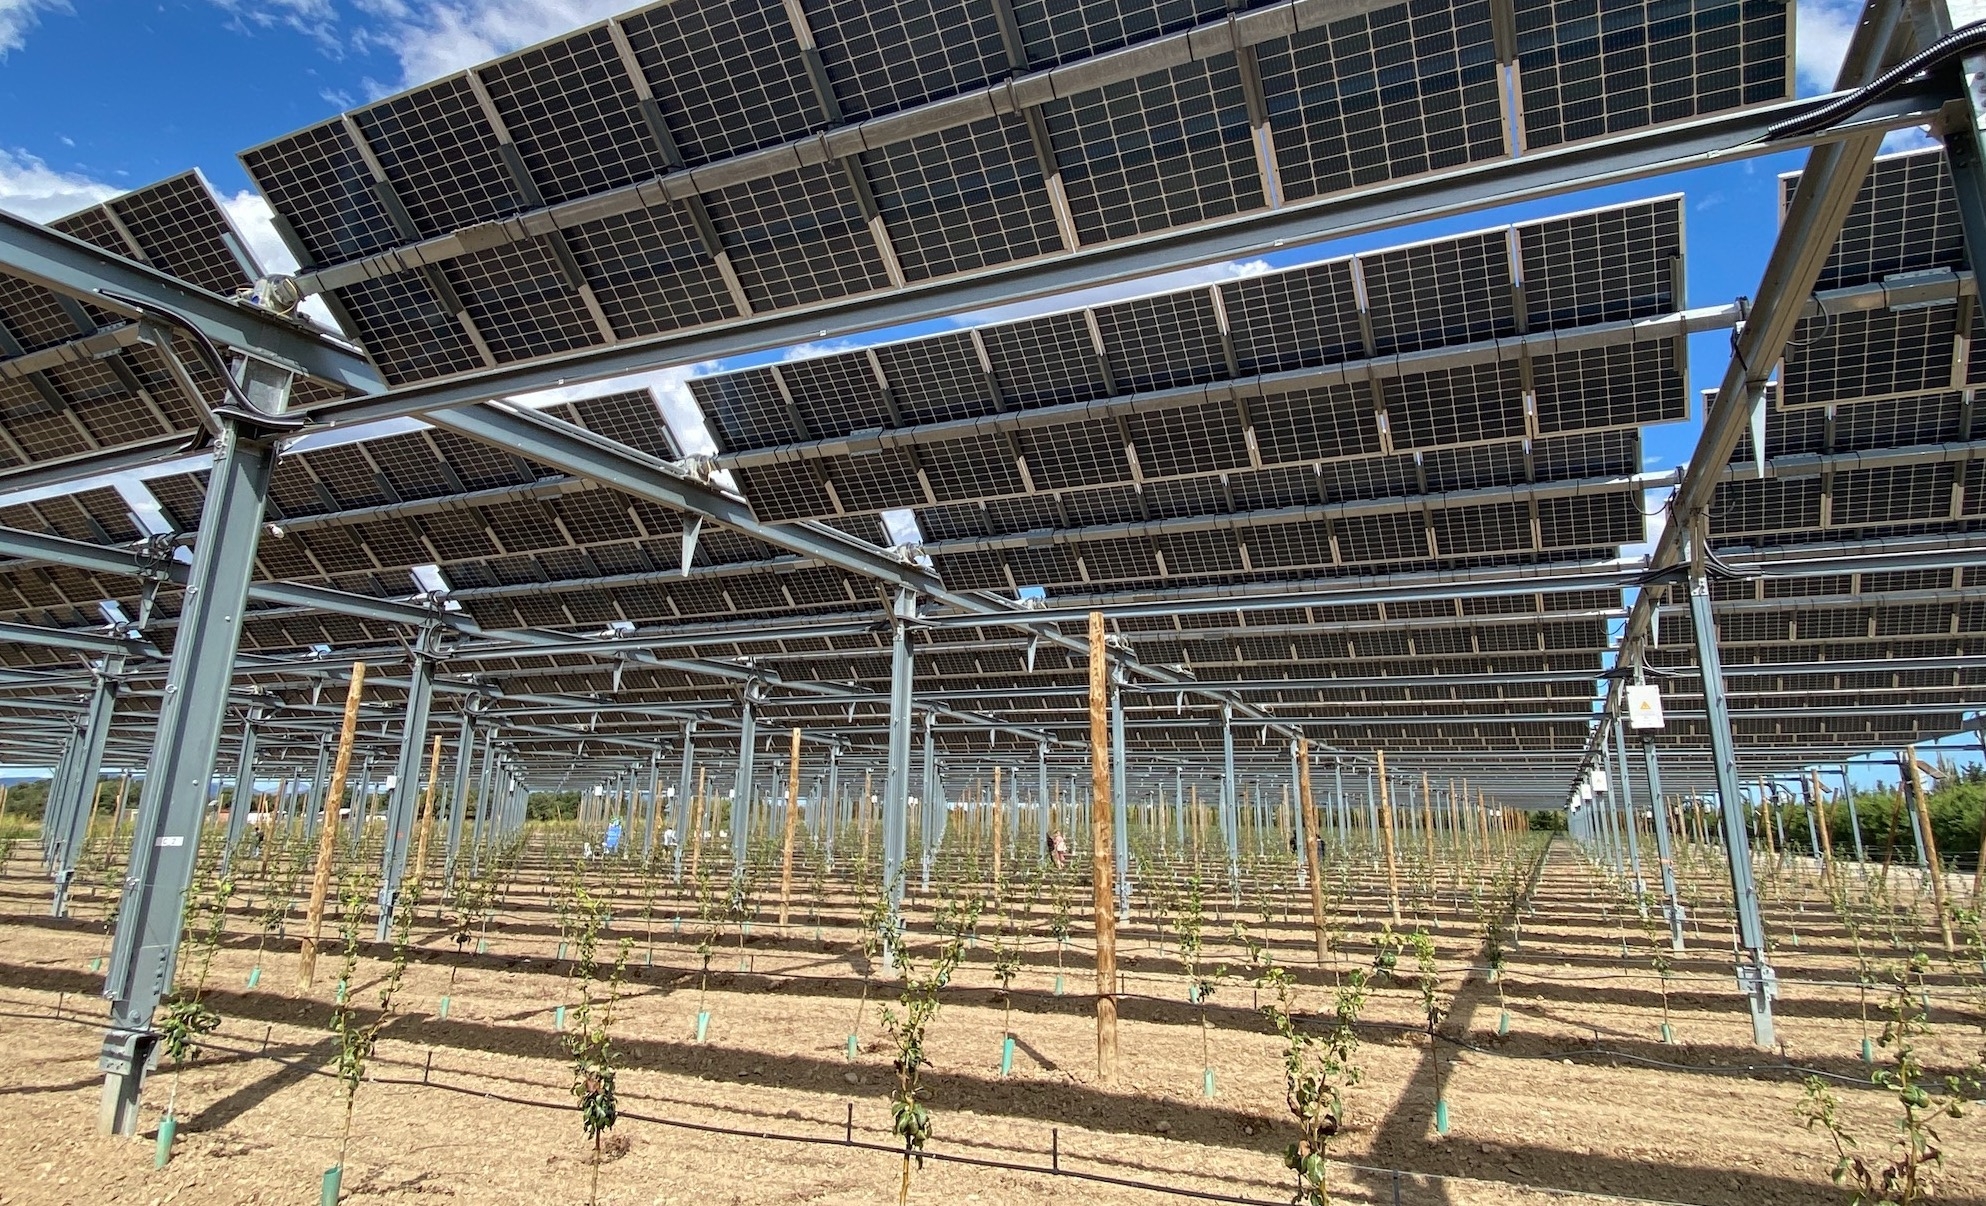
(1759, 984)
(388, 897)
(59, 906)
(126, 1056)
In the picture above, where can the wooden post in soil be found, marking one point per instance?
(1199, 822)
(117, 814)
(427, 816)
(1386, 838)
(792, 824)
(1427, 828)
(863, 804)
(1101, 858)
(999, 828)
(1312, 857)
(1914, 786)
(1820, 826)
(327, 837)
(696, 823)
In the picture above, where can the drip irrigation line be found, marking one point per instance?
(1053, 1169)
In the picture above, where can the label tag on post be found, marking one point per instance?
(1644, 706)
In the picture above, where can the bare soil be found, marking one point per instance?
(1582, 1096)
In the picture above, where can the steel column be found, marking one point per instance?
(1120, 811)
(896, 776)
(741, 793)
(91, 735)
(244, 791)
(458, 807)
(1755, 975)
(680, 807)
(166, 836)
(1664, 846)
(405, 799)
(1633, 828)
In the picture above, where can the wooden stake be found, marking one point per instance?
(1311, 855)
(1427, 819)
(327, 839)
(1916, 792)
(863, 804)
(1820, 823)
(427, 816)
(117, 816)
(792, 824)
(1101, 859)
(999, 827)
(1386, 838)
(696, 823)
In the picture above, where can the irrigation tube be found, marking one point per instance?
(1054, 1168)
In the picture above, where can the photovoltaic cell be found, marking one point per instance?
(1452, 291)
(963, 198)
(728, 73)
(883, 57)
(1163, 341)
(1383, 95)
(1589, 68)
(1057, 31)
(1604, 266)
(1295, 319)
(441, 157)
(798, 237)
(574, 116)
(1159, 151)
(649, 273)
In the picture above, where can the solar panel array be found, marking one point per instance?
(76, 379)
(1265, 428)
(58, 399)
(1873, 418)
(702, 160)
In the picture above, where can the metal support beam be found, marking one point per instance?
(407, 772)
(458, 804)
(741, 794)
(135, 291)
(680, 813)
(1230, 819)
(81, 787)
(1120, 813)
(1672, 906)
(1754, 973)
(896, 779)
(166, 837)
(1626, 796)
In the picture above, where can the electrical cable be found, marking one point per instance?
(1953, 45)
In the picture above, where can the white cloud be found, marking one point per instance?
(316, 19)
(252, 216)
(17, 17)
(33, 190)
(433, 38)
(1822, 30)
(1100, 295)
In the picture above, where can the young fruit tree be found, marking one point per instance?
(917, 1005)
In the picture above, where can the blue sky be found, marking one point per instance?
(97, 96)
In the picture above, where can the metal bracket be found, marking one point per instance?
(1751, 977)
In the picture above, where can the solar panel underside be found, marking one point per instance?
(1215, 433)
(75, 379)
(1880, 404)
(701, 160)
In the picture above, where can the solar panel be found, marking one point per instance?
(701, 159)
(1858, 394)
(1164, 447)
(118, 390)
